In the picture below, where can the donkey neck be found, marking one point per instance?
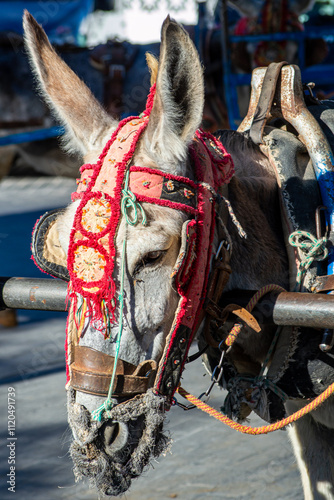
(256, 206)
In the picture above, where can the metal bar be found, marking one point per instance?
(33, 293)
(33, 135)
(286, 308)
(304, 309)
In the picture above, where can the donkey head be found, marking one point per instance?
(115, 448)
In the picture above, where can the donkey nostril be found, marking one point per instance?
(115, 436)
(110, 433)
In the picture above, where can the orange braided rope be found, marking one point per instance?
(257, 430)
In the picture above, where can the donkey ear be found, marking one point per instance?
(85, 120)
(178, 102)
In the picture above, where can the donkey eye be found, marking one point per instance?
(152, 256)
(149, 259)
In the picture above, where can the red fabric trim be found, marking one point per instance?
(220, 175)
(150, 100)
(189, 311)
(86, 166)
(155, 171)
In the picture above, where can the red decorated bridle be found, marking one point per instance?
(91, 256)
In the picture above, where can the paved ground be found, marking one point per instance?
(207, 460)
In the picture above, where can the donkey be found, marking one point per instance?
(114, 444)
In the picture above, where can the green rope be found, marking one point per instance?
(128, 201)
(311, 249)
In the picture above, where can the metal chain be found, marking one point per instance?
(214, 380)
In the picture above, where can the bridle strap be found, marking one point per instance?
(219, 277)
(91, 373)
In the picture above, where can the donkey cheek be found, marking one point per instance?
(156, 310)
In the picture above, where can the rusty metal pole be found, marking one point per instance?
(43, 294)
(285, 308)
(304, 309)
(294, 110)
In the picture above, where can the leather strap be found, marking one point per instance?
(219, 277)
(265, 102)
(243, 314)
(91, 373)
(323, 284)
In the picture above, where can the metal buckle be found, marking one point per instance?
(225, 244)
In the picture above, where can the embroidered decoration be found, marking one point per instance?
(89, 264)
(187, 193)
(96, 215)
(170, 185)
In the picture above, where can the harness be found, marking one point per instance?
(300, 359)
